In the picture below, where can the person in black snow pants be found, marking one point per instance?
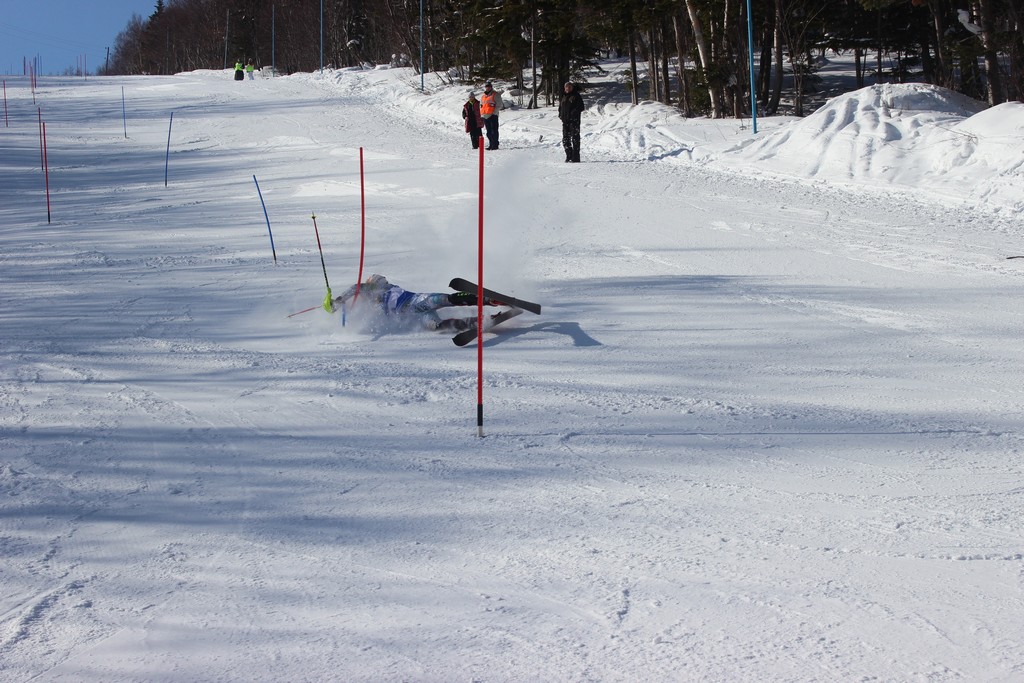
(474, 121)
(570, 108)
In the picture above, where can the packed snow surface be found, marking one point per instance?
(768, 425)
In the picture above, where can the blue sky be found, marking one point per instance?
(63, 32)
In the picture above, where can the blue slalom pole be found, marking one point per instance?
(167, 160)
(267, 216)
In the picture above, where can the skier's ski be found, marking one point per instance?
(466, 336)
(496, 298)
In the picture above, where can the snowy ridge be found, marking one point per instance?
(914, 137)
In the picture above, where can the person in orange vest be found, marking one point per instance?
(490, 105)
(474, 122)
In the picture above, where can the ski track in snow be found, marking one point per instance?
(768, 426)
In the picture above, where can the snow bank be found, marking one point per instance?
(914, 137)
(917, 137)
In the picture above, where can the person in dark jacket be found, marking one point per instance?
(570, 108)
(474, 121)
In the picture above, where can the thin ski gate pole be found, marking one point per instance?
(46, 170)
(267, 216)
(362, 237)
(480, 306)
(167, 159)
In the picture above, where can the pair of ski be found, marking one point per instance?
(492, 298)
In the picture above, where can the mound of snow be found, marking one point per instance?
(986, 155)
(911, 135)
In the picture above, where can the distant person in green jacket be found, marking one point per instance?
(239, 73)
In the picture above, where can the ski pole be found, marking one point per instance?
(305, 310)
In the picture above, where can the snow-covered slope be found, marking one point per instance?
(768, 426)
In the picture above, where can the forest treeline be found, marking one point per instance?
(694, 54)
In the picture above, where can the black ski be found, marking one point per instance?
(466, 336)
(495, 298)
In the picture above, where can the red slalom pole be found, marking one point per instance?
(46, 166)
(42, 164)
(480, 305)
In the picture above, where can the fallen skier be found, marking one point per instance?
(398, 308)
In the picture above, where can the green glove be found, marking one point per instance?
(329, 302)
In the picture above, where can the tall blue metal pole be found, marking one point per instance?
(321, 36)
(750, 44)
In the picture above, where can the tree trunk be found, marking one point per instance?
(773, 106)
(945, 72)
(652, 65)
(632, 69)
(707, 67)
(878, 54)
(666, 81)
(1016, 51)
(988, 39)
(764, 71)
(684, 87)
